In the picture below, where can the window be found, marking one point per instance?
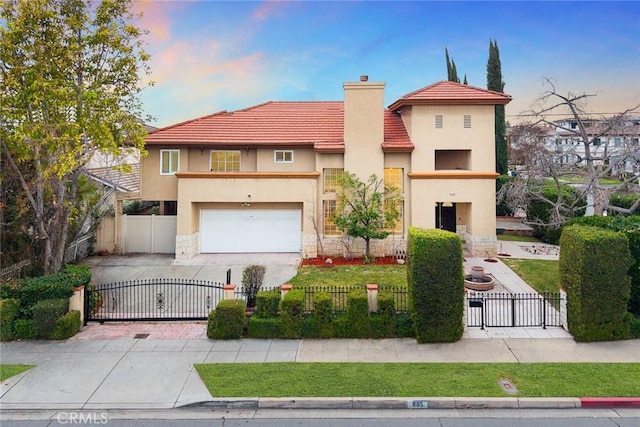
(169, 161)
(330, 228)
(438, 122)
(331, 178)
(467, 121)
(399, 205)
(283, 156)
(393, 178)
(225, 161)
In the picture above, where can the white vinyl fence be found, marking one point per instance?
(151, 234)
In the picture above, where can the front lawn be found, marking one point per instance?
(541, 275)
(351, 276)
(8, 371)
(419, 379)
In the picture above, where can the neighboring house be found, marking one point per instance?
(264, 179)
(617, 146)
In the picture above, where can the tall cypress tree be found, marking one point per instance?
(452, 72)
(495, 83)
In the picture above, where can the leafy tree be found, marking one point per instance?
(495, 83)
(452, 72)
(70, 79)
(366, 209)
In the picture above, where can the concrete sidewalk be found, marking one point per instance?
(158, 373)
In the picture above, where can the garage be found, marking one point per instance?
(250, 230)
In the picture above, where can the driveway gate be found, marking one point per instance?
(513, 310)
(153, 300)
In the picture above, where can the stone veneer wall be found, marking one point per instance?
(186, 246)
(481, 246)
(333, 247)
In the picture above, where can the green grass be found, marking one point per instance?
(353, 275)
(513, 238)
(7, 371)
(420, 379)
(542, 275)
(581, 178)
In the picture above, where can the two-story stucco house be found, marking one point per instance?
(263, 179)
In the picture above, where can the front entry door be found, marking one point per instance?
(446, 216)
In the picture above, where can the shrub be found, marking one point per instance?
(263, 327)
(593, 269)
(23, 328)
(341, 326)
(55, 286)
(435, 279)
(384, 322)
(308, 328)
(622, 201)
(630, 226)
(267, 303)
(541, 211)
(635, 328)
(46, 314)
(404, 326)
(8, 313)
(292, 313)
(252, 278)
(358, 314)
(227, 320)
(67, 326)
(323, 314)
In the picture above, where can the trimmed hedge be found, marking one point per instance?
(226, 322)
(55, 286)
(45, 315)
(67, 326)
(593, 269)
(323, 314)
(267, 303)
(358, 314)
(8, 312)
(24, 328)
(383, 323)
(292, 313)
(622, 201)
(263, 327)
(435, 278)
(630, 226)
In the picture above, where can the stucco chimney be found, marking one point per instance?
(364, 127)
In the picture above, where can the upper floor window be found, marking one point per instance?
(283, 156)
(467, 121)
(438, 122)
(331, 179)
(225, 161)
(169, 161)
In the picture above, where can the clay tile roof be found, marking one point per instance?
(451, 93)
(319, 124)
(279, 123)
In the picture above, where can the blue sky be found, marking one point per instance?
(209, 56)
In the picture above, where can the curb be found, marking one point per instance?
(422, 403)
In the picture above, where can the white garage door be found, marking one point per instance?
(246, 230)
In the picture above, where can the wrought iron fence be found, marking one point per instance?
(154, 299)
(513, 310)
(339, 295)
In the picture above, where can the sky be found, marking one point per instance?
(209, 56)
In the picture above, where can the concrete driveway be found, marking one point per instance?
(281, 267)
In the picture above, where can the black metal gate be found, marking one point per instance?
(153, 300)
(513, 310)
